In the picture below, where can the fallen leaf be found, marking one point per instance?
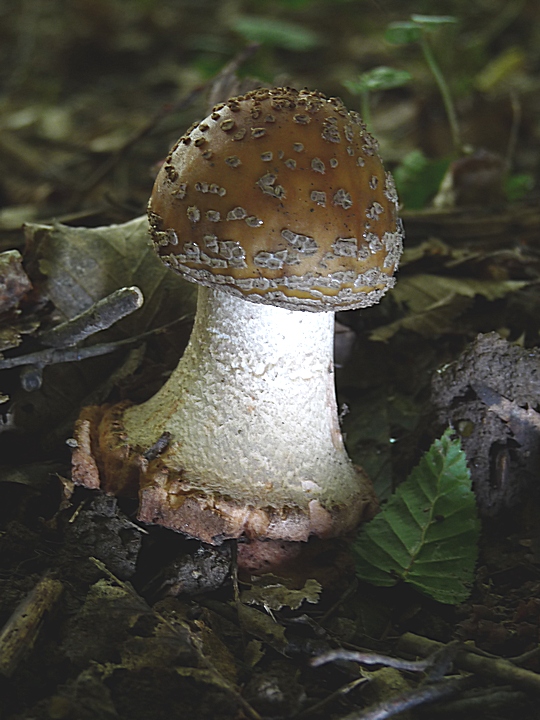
(82, 265)
(274, 593)
(434, 301)
(420, 292)
(262, 626)
(14, 282)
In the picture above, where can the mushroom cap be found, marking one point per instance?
(280, 196)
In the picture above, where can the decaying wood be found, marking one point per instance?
(494, 668)
(22, 629)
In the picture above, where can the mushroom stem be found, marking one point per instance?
(256, 447)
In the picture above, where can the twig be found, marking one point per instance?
(526, 657)
(349, 592)
(514, 130)
(340, 692)
(158, 447)
(420, 696)
(52, 356)
(220, 84)
(102, 171)
(71, 217)
(202, 657)
(494, 668)
(100, 316)
(505, 409)
(437, 664)
(485, 700)
(372, 659)
(21, 630)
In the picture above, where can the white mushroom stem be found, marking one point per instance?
(251, 409)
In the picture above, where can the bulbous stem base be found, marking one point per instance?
(254, 447)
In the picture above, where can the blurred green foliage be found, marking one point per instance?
(409, 31)
(415, 30)
(418, 178)
(517, 186)
(276, 33)
(379, 78)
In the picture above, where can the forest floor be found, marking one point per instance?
(107, 617)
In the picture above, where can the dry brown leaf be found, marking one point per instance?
(262, 626)
(434, 301)
(75, 267)
(254, 653)
(422, 291)
(435, 320)
(14, 282)
(217, 652)
(273, 592)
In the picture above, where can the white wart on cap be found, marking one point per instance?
(280, 196)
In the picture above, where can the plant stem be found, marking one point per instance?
(365, 108)
(445, 92)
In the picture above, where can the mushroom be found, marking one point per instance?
(279, 207)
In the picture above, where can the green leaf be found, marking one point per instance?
(517, 186)
(277, 33)
(418, 178)
(402, 33)
(428, 532)
(379, 78)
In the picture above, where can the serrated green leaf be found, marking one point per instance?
(428, 532)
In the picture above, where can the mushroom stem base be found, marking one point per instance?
(255, 447)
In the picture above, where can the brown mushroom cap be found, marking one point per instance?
(280, 196)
